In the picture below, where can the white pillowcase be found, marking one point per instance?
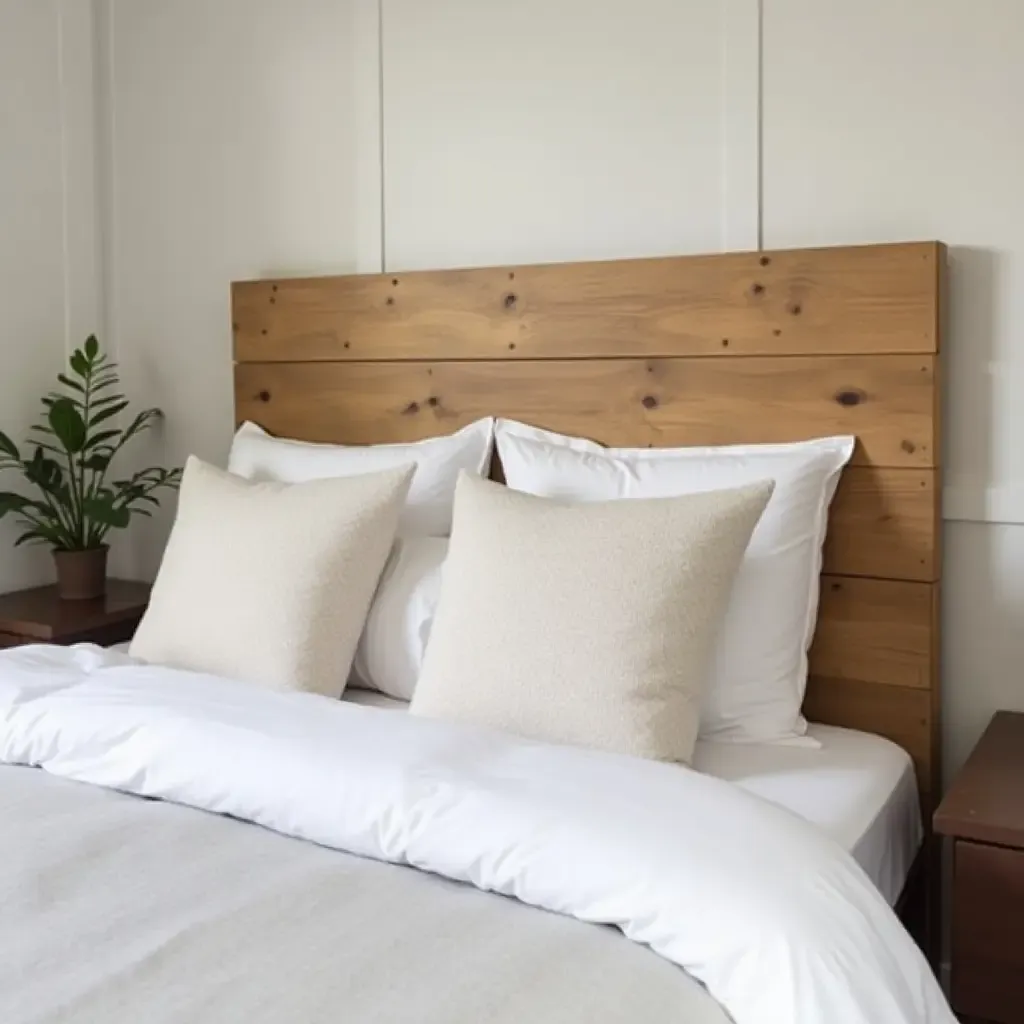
(270, 583)
(756, 684)
(390, 653)
(584, 624)
(257, 455)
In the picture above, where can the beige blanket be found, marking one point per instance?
(118, 910)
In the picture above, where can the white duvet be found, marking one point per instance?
(775, 919)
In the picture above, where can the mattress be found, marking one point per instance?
(857, 787)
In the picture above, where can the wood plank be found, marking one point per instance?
(886, 401)
(883, 524)
(644, 353)
(900, 713)
(875, 630)
(840, 301)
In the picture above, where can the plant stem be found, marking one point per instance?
(55, 508)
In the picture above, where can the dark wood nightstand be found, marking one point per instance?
(983, 814)
(38, 616)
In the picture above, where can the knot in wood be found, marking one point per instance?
(850, 396)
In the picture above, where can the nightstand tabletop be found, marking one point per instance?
(986, 801)
(40, 615)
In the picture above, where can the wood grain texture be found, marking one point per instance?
(886, 401)
(843, 301)
(735, 348)
(883, 524)
(880, 630)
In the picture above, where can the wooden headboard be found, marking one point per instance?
(746, 347)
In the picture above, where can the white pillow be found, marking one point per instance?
(584, 624)
(257, 455)
(267, 582)
(759, 671)
(390, 653)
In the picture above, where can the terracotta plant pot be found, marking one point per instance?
(81, 575)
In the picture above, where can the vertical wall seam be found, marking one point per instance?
(723, 123)
(65, 177)
(104, 72)
(739, 115)
(381, 150)
(759, 146)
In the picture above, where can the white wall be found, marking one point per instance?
(888, 121)
(49, 262)
(572, 130)
(229, 148)
(245, 137)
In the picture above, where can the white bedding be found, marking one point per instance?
(774, 918)
(118, 910)
(859, 788)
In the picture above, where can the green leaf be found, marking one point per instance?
(101, 509)
(67, 423)
(43, 446)
(92, 348)
(79, 363)
(45, 473)
(99, 403)
(97, 463)
(143, 421)
(10, 502)
(69, 383)
(8, 447)
(31, 537)
(53, 396)
(55, 536)
(105, 414)
(100, 438)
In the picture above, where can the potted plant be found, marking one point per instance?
(75, 506)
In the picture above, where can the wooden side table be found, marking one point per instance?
(38, 616)
(983, 814)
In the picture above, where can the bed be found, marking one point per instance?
(118, 908)
(857, 787)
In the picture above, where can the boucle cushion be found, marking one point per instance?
(270, 582)
(584, 624)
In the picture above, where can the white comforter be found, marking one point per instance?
(777, 921)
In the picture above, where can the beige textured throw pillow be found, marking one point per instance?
(269, 582)
(584, 624)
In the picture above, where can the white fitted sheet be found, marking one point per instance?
(858, 787)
